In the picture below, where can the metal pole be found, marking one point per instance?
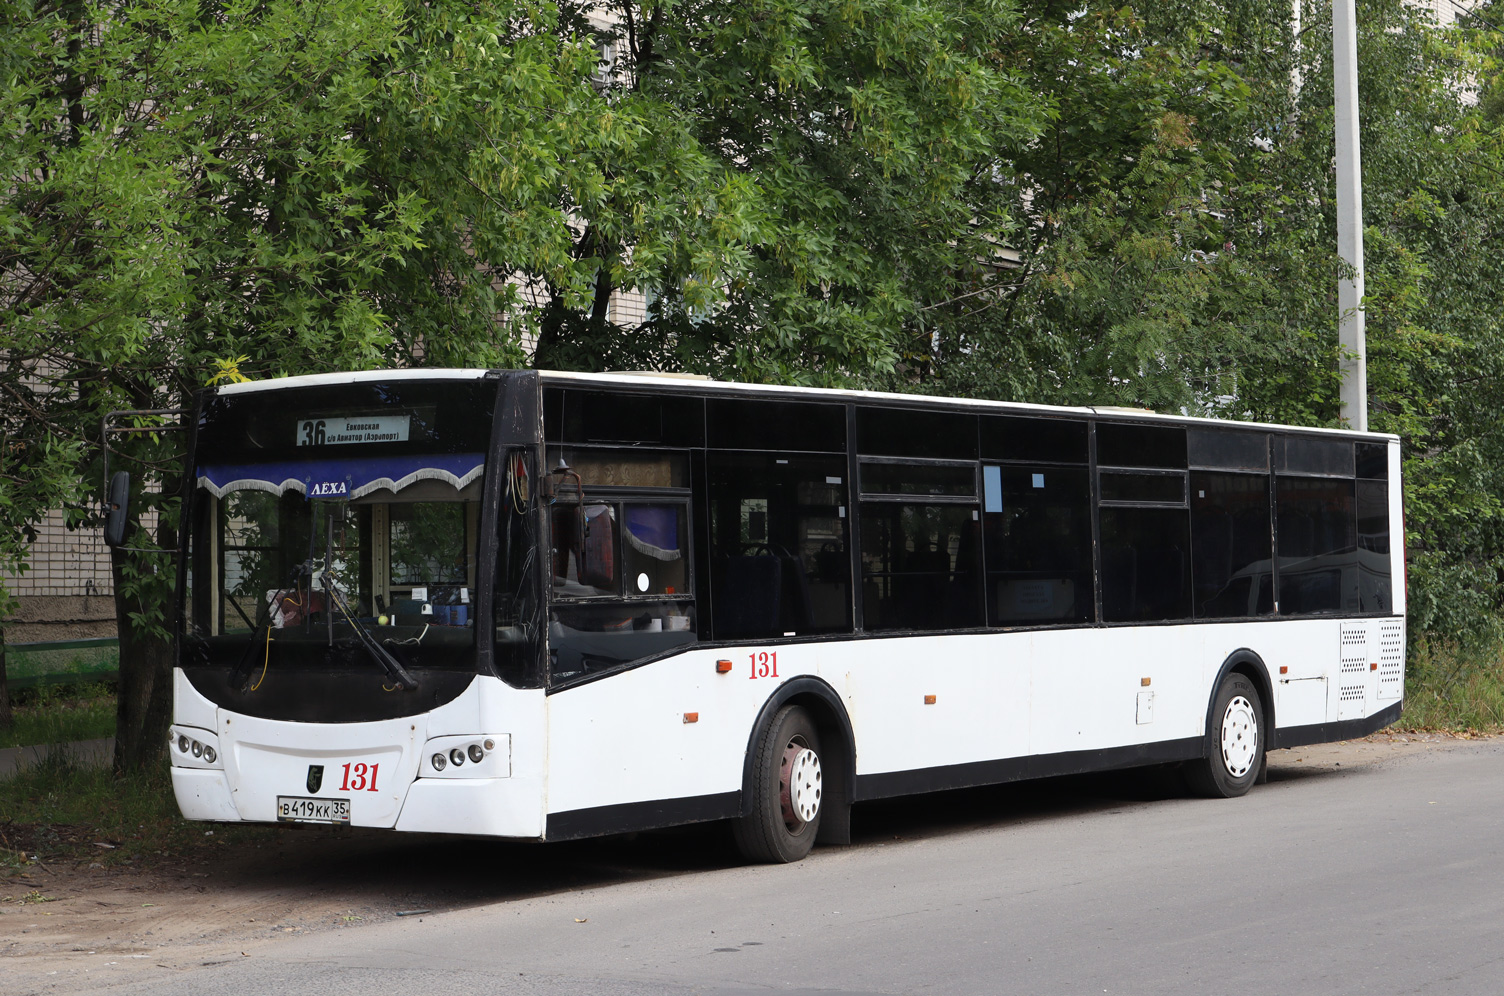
(1354, 361)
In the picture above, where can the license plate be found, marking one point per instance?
(296, 809)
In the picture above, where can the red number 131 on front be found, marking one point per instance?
(360, 779)
(764, 665)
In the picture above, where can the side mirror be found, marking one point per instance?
(117, 508)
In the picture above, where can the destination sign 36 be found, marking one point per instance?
(353, 429)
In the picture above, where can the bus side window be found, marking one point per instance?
(584, 550)
(778, 561)
(1037, 530)
(1230, 541)
(1317, 551)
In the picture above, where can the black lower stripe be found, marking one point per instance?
(642, 815)
(1347, 729)
(1013, 769)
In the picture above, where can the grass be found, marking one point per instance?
(1448, 687)
(29, 663)
(60, 811)
(62, 715)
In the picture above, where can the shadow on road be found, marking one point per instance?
(381, 870)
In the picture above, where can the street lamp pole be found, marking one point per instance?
(1354, 360)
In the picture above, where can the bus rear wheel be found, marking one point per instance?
(1234, 742)
(788, 787)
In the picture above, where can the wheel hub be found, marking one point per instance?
(799, 786)
(1240, 736)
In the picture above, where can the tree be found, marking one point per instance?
(196, 189)
(848, 132)
(1177, 228)
(272, 188)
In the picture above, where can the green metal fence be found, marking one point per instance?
(62, 662)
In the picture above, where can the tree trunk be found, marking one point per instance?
(143, 708)
(6, 718)
(550, 333)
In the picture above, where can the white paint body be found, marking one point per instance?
(623, 739)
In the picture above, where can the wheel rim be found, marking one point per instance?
(1240, 737)
(800, 785)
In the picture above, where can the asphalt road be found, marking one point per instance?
(1386, 878)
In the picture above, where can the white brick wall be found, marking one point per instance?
(64, 562)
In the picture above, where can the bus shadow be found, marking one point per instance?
(394, 873)
(386, 873)
(965, 810)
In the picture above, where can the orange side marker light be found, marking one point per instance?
(691, 717)
(929, 700)
(722, 667)
(1284, 670)
(1373, 665)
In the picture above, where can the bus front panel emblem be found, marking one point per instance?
(315, 777)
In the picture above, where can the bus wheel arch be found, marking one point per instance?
(1239, 729)
(823, 708)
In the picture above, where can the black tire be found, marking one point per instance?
(782, 822)
(1235, 742)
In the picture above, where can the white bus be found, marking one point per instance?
(547, 605)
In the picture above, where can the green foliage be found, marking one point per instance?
(840, 139)
(1177, 234)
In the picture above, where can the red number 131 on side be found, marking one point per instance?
(764, 665)
(364, 777)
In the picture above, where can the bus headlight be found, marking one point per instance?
(483, 755)
(196, 748)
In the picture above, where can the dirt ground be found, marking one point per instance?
(62, 923)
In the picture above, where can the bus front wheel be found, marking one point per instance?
(787, 788)
(1234, 742)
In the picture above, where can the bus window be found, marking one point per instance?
(1033, 440)
(1230, 545)
(737, 424)
(1373, 546)
(1037, 533)
(916, 432)
(584, 550)
(1138, 445)
(1146, 564)
(921, 546)
(654, 541)
(1317, 544)
(919, 566)
(620, 584)
(778, 555)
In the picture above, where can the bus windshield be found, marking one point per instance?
(401, 560)
(337, 528)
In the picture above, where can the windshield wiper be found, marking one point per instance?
(383, 656)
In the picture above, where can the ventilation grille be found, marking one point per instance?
(1351, 693)
(1391, 657)
(1354, 647)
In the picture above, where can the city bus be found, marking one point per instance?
(542, 605)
